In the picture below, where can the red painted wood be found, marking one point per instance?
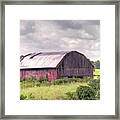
(50, 74)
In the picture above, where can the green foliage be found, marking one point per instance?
(30, 96)
(72, 96)
(85, 93)
(64, 88)
(23, 97)
(97, 95)
(32, 82)
(95, 84)
(89, 92)
(65, 80)
(26, 97)
(96, 64)
(52, 92)
(57, 82)
(96, 74)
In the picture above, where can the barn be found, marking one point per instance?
(54, 65)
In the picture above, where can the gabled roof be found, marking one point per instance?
(41, 60)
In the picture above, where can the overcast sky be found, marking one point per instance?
(61, 35)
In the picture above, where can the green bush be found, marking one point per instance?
(90, 92)
(65, 80)
(23, 97)
(33, 82)
(98, 95)
(86, 93)
(30, 96)
(57, 82)
(26, 97)
(72, 96)
(95, 84)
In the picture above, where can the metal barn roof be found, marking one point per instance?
(42, 60)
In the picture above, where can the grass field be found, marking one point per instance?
(96, 73)
(52, 92)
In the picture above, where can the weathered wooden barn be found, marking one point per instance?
(54, 65)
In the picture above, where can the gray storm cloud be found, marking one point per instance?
(61, 35)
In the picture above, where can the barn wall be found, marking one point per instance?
(76, 72)
(75, 64)
(50, 74)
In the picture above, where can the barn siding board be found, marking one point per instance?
(51, 74)
(75, 64)
(77, 72)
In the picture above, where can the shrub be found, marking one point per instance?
(30, 96)
(23, 97)
(72, 95)
(95, 84)
(90, 92)
(58, 82)
(26, 97)
(98, 95)
(86, 93)
(65, 80)
(33, 82)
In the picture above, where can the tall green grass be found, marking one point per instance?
(51, 92)
(96, 74)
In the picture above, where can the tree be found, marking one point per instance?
(96, 64)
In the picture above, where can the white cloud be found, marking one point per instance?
(61, 35)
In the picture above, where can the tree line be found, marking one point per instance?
(96, 64)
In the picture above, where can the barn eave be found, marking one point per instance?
(32, 68)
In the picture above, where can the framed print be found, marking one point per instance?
(59, 59)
